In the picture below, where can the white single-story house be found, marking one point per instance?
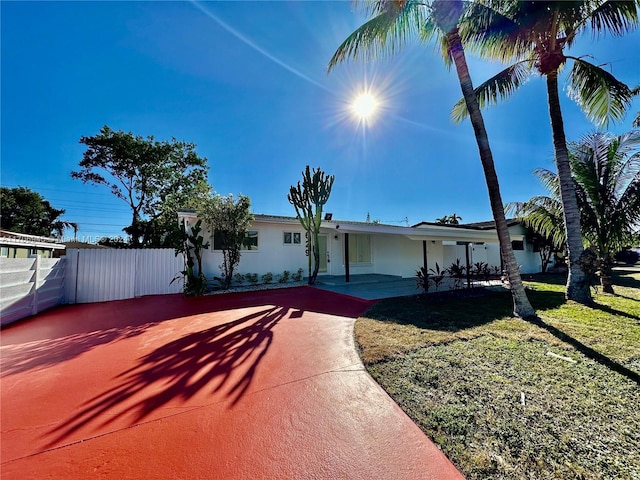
(277, 243)
(21, 245)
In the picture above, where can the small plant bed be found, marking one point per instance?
(508, 399)
(256, 287)
(253, 281)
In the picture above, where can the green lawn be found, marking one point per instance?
(461, 369)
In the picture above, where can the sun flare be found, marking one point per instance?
(364, 105)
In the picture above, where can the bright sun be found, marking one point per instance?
(364, 105)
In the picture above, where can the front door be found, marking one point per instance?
(324, 253)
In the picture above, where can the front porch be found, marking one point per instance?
(373, 286)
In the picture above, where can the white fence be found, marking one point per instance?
(29, 285)
(99, 275)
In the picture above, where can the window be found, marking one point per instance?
(359, 248)
(517, 244)
(250, 241)
(292, 238)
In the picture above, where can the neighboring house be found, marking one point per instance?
(20, 245)
(274, 244)
(75, 244)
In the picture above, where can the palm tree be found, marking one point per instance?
(59, 226)
(537, 33)
(392, 24)
(606, 169)
(606, 175)
(543, 213)
(453, 219)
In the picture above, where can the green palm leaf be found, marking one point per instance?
(487, 29)
(615, 17)
(543, 214)
(606, 169)
(383, 34)
(599, 94)
(497, 88)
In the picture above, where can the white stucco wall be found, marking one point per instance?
(272, 254)
(391, 254)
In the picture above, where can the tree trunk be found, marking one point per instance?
(606, 267)
(316, 259)
(135, 230)
(577, 281)
(521, 305)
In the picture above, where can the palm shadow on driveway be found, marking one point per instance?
(222, 359)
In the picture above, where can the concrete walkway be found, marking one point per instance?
(369, 287)
(376, 286)
(254, 385)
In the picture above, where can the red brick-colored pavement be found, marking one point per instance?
(253, 385)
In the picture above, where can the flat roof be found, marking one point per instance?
(481, 232)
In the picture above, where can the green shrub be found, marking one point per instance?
(284, 278)
(297, 277)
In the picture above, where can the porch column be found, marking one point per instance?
(466, 251)
(346, 257)
(424, 254)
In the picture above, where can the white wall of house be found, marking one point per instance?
(272, 255)
(391, 253)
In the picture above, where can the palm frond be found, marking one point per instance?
(543, 215)
(615, 17)
(430, 32)
(497, 88)
(599, 94)
(489, 29)
(382, 35)
(606, 169)
(549, 179)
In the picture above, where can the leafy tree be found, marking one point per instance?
(26, 211)
(152, 177)
(229, 218)
(452, 219)
(114, 242)
(308, 199)
(392, 24)
(606, 175)
(536, 34)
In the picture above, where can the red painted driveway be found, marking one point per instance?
(254, 385)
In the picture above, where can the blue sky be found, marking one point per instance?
(247, 82)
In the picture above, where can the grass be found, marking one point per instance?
(460, 369)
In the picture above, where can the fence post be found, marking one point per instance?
(34, 288)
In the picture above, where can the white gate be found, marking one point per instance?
(99, 275)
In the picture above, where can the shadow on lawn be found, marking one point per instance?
(459, 314)
(222, 359)
(452, 312)
(624, 276)
(613, 311)
(588, 351)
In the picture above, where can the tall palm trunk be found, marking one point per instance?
(577, 281)
(521, 305)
